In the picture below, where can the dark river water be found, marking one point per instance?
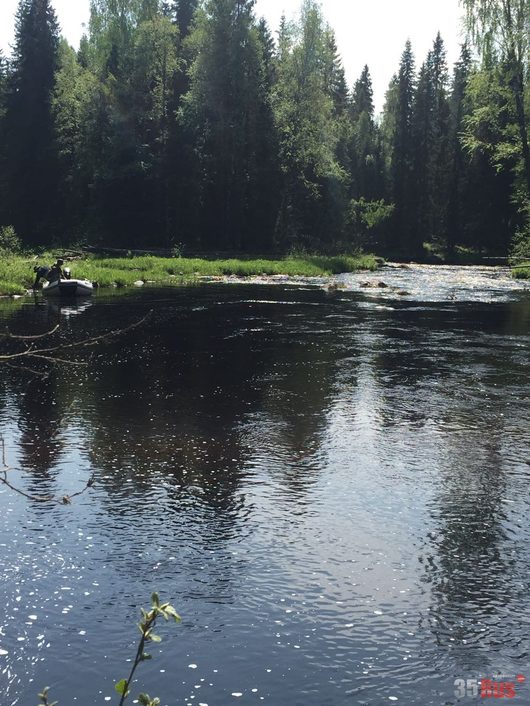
(331, 486)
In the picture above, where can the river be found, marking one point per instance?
(328, 480)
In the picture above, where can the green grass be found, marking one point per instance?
(11, 289)
(16, 273)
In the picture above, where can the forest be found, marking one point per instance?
(191, 125)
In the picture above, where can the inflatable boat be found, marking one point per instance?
(68, 288)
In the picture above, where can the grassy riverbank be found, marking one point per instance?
(16, 272)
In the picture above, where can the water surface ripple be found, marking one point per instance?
(330, 485)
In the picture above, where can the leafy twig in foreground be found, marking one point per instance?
(146, 626)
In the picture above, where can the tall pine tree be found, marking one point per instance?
(432, 155)
(224, 110)
(185, 12)
(366, 161)
(458, 189)
(31, 159)
(440, 155)
(407, 239)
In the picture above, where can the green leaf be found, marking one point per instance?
(122, 687)
(154, 638)
(145, 656)
(146, 700)
(43, 696)
(155, 599)
(171, 612)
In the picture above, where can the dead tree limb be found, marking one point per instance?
(51, 354)
(16, 337)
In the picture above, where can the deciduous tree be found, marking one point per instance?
(505, 25)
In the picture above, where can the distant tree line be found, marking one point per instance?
(186, 123)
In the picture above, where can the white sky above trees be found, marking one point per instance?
(369, 32)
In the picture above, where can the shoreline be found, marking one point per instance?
(136, 272)
(16, 272)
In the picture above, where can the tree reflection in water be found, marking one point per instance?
(278, 460)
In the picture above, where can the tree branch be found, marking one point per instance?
(49, 353)
(16, 337)
(63, 500)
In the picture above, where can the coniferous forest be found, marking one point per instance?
(192, 124)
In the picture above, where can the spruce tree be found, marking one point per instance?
(265, 195)
(459, 108)
(363, 95)
(3, 96)
(366, 158)
(184, 12)
(336, 79)
(423, 132)
(31, 160)
(268, 49)
(440, 155)
(387, 131)
(407, 239)
(432, 155)
(224, 109)
(3, 82)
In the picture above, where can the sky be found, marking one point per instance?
(369, 32)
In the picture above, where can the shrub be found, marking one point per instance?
(367, 219)
(9, 241)
(177, 250)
